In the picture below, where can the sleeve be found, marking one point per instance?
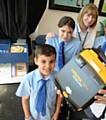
(77, 45)
(24, 88)
(49, 41)
(97, 42)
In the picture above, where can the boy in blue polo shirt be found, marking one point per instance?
(37, 89)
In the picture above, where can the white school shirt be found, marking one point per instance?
(96, 108)
(90, 38)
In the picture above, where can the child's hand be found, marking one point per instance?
(50, 35)
(30, 118)
(101, 99)
(59, 93)
(55, 116)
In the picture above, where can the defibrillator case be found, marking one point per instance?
(81, 78)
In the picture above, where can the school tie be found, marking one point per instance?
(61, 55)
(41, 100)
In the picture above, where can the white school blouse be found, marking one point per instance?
(89, 38)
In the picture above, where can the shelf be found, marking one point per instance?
(4, 80)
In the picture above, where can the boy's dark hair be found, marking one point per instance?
(45, 49)
(66, 20)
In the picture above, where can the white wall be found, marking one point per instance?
(50, 18)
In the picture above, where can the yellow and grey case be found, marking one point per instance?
(81, 78)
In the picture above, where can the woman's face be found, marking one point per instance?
(65, 33)
(89, 19)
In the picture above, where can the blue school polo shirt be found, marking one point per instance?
(30, 86)
(71, 48)
(99, 41)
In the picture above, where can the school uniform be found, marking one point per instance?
(71, 48)
(99, 41)
(87, 38)
(30, 86)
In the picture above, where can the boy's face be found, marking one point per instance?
(45, 64)
(65, 33)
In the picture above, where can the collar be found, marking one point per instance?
(79, 29)
(65, 42)
(39, 76)
(60, 40)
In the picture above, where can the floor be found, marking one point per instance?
(10, 105)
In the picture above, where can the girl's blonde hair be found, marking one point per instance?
(92, 9)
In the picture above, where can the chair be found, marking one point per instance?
(39, 40)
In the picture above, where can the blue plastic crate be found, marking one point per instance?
(4, 45)
(5, 41)
(13, 57)
(7, 57)
(4, 48)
